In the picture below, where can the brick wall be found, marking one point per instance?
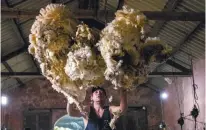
(31, 96)
(39, 94)
(184, 85)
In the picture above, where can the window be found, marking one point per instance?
(37, 120)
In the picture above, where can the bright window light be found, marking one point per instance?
(4, 100)
(164, 95)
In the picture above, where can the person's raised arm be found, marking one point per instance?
(74, 112)
(123, 100)
(123, 103)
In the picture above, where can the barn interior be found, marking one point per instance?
(173, 97)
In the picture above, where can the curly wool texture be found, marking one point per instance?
(121, 48)
(83, 64)
(154, 51)
(50, 38)
(75, 67)
(72, 62)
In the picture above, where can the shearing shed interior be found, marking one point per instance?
(103, 65)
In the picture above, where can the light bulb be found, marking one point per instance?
(4, 100)
(164, 95)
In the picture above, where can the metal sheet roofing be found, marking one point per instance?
(172, 33)
(25, 27)
(147, 5)
(168, 68)
(191, 5)
(9, 83)
(9, 38)
(22, 63)
(30, 4)
(3, 68)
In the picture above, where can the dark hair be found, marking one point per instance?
(98, 88)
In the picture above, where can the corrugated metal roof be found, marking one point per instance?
(172, 33)
(191, 5)
(9, 38)
(8, 83)
(168, 68)
(111, 5)
(147, 5)
(186, 65)
(12, 2)
(32, 4)
(142, 5)
(3, 69)
(196, 44)
(36, 5)
(158, 82)
(185, 58)
(21, 63)
(26, 28)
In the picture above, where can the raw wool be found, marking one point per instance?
(154, 51)
(114, 119)
(66, 52)
(84, 62)
(124, 53)
(51, 36)
(69, 58)
(81, 65)
(119, 39)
